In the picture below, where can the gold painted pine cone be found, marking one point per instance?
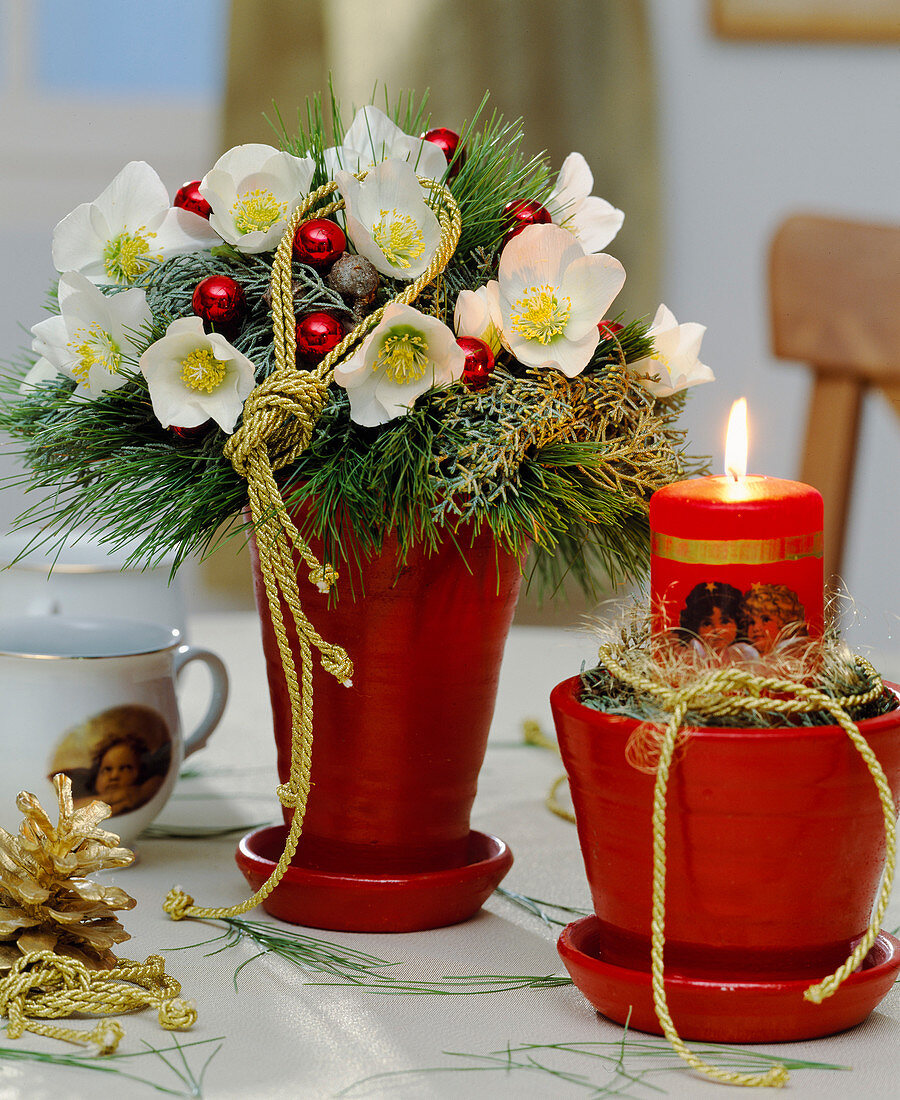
(47, 900)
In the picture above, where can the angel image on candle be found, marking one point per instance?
(774, 617)
(712, 623)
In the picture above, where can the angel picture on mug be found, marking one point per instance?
(121, 756)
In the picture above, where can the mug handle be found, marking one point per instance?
(183, 656)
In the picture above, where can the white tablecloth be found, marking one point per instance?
(278, 1034)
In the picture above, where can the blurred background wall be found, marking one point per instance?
(706, 143)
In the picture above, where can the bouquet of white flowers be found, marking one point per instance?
(452, 299)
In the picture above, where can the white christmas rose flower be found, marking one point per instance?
(675, 362)
(93, 334)
(405, 355)
(194, 376)
(389, 221)
(42, 371)
(253, 190)
(477, 314)
(372, 138)
(594, 221)
(132, 224)
(552, 297)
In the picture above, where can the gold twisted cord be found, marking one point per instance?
(554, 805)
(732, 691)
(278, 422)
(283, 318)
(44, 985)
(532, 734)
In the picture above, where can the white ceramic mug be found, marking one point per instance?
(84, 576)
(95, 698)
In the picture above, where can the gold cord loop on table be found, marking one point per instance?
(44, 985)
(532, 734)
(734, 691)
(278, 422)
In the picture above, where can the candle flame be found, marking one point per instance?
(736, 440)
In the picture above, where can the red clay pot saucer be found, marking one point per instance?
(367, 903)
(771, 1011)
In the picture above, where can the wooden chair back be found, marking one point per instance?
(834, 293)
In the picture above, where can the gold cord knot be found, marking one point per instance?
(177, 1014)
(337, 661)
(106, 1035)
(288, 795)
(154, 966)
(279, 416)
(177, 903)
(323, 576)
(44, 971)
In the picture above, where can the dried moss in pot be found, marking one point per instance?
(638, 676)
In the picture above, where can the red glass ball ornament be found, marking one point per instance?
(479, 362)
(522, 213)
(609, 329)
(319, 243)
(188, 435)
(219, 300)
(317, 335)
(188, 197)
(448, 143)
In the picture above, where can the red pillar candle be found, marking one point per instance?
(737, 562)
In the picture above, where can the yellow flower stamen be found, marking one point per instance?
(94, 345)
(403, 355)
(399, 238)
(257, 211)
(127, 256)
(202, 371)
(540, 315)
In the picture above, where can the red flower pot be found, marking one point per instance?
(774, 848)
(395, 758)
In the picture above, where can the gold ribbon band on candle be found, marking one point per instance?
(737, 551)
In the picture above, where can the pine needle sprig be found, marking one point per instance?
(536, 456)
(359, 969)
(409, 111)
(315, 133)
(494, 173)
(308, 953)
(309, 137)
(453, 985)
(191, 1079)
(539, 908)
(561, 1062)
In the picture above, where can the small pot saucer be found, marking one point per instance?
(724, 1011)
(374, 903)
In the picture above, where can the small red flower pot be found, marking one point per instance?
(396, 757)
(774, 852)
